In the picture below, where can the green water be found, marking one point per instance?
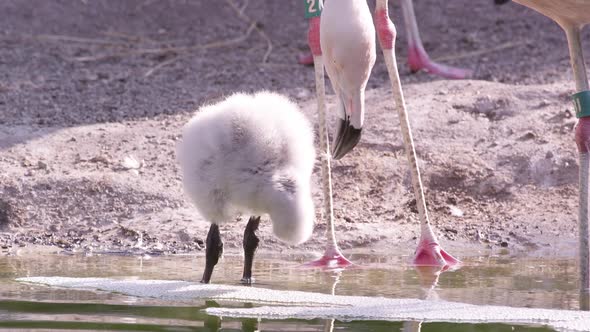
(533, 283)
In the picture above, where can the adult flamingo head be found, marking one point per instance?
(347, 38)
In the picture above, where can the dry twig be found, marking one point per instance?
(261, 32)
(162, 64)
(164, 50)
(130, 38)
(134, 40)
(79, 40)
(484, 51)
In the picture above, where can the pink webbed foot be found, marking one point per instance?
(430, 253)
(332, 259)
(305, 59)
(419, 60)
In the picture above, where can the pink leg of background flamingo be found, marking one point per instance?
(418, 59)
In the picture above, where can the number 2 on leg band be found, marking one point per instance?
(313, 8)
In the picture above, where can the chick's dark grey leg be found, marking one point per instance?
(250, 244)
(213, 252)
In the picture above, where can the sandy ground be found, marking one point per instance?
(87, 87)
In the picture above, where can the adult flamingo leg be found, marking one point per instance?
(572, 15)
(418, 59)
(583, 142)
(582, 104)
(332, 257)
(429, 251)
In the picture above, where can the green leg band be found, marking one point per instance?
(582, 103)
(313, 8)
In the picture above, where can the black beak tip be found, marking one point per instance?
(347, 137)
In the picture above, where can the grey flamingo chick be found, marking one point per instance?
(249, 154)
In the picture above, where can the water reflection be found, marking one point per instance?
(214, 323)
(336, 274)
(531, 282)
(584, 300)
(428, 276)
(508, 281)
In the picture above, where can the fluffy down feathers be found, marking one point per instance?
(251, 154)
